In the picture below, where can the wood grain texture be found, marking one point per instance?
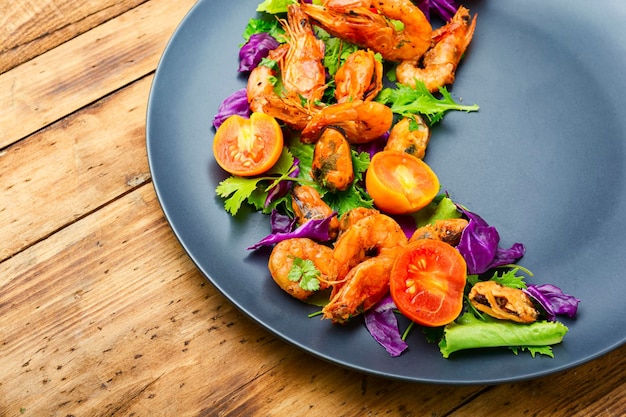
(86, 68)
(109, 339)
(36, 26)
(72, 167)
(595, 389)
(102, 312)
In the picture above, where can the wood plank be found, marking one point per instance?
(31, 27)
(109, 317)
(560, 395)
(72, 167)
(114, 54)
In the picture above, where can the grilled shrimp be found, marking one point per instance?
(263, 98)
(410, 135)
(370, 236)
(361, 121)
(282, 258)
(360, 77)
(352, 216)
(438, 65)
(308, 205)
(332, 160)
(367, 24)
(503, 302)
(448, 230)
(365, 285)
(302, 69)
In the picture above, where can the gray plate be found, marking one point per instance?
(543, 161)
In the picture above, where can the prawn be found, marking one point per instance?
(367, 24)
(262, 97)
(410, 135)
(361, 121)
(307, 205)
(360, 77)
(352, 216)
(438, 65)
(332, 160)
(282, 258)
(370, 236)
(302, 68)
(366, 284)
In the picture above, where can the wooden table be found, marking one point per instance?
(102, 312)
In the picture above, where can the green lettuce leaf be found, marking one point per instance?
(274, 6)
(469, 332)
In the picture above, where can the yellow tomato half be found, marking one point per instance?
(248, 147)
(400, 183)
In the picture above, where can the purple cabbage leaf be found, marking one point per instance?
(382, 324)
(553, 300)
(479, 246)
(236, 103)
(318, 230)
(255, 49)
(445, 9)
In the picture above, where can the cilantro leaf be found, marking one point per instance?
(237, 190)
(304, 270)
(406, 101)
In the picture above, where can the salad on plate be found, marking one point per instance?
(330, 138)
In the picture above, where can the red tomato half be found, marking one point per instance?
(248, 147)
(427, 282)
(400, 183)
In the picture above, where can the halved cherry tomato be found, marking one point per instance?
(427, 282)
(400, 183)
(248, 147)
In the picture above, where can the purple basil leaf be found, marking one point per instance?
(444, 8)
(253, 51)
(382, 324)
(284, 186)
(553, 300)
(236, 103)
(317, 230)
